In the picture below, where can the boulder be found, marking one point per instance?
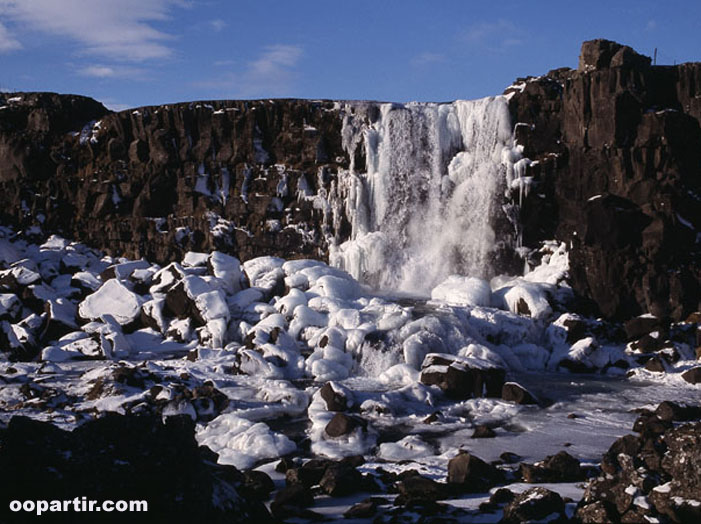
(693, 375)
(535, 504)
(470, 474)
(513, 392)
(342, 424)
(462, 377)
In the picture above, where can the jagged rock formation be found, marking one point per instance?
(157, 181)
(619, 150)
(616, 147)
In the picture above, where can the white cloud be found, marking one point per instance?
(217, 24)
(7, 42)
(271, 74)
(120, 30)
(427, 58)
(496, 36)
(110, 71)
(651, 25)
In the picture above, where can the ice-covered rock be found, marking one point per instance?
(467, 291)
(112, 298)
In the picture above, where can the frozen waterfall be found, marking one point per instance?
(423, 205)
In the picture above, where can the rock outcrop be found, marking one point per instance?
(155, 182)
(616, 147)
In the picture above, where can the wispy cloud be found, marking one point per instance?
(497, 36)
(271, 74)
(217, 24)
(427, 58)
(110, 71)
(121, 30)
(651, 25)
(7, 41)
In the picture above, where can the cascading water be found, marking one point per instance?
(424, 206)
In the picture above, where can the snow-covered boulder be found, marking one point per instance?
(113, 298)
(465, 291)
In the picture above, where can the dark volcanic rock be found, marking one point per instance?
(693, 375)
(342, 424)
(471, 474)
(616, 147)
(657, 469)
(459, 378)
(483, 431)
(416, 489)
(123, 458)
(184, 162)
(561, 467)
(535, 504)
(341, 480)
(618, 144)
(514, 392)
(334, 397)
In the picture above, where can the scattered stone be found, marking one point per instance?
(342, 424)
(257, 484)
(418, 489)
(672, 411)
(482, 431)
(655, 364)
(534, 504)
(291, 502)
(513, 392)
(509, 458)
(693, 375)
(638, 327)
(341, 480)
(363, 509)
(471, 474)
(462, 378)
(336, 397)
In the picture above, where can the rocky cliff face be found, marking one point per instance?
(616, 147)
(619, 177)
(238, 176)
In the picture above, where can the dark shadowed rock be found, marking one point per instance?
(341, 480)
(124, 458)
(561, 467)
(693, 375)
(462, 378)
(471, 474)
(672, 411)
(335, 398)
(483, 431)
(513, 392)
(416, 489)
(291, 501)
(534, 504)
(342, 424)
(363, 510)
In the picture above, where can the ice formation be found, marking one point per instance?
(423, 205)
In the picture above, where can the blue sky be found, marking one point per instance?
(128, 53)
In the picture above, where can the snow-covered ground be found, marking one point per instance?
(245, 349)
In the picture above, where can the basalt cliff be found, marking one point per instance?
(614, 171)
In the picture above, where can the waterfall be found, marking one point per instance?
(424, 204)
